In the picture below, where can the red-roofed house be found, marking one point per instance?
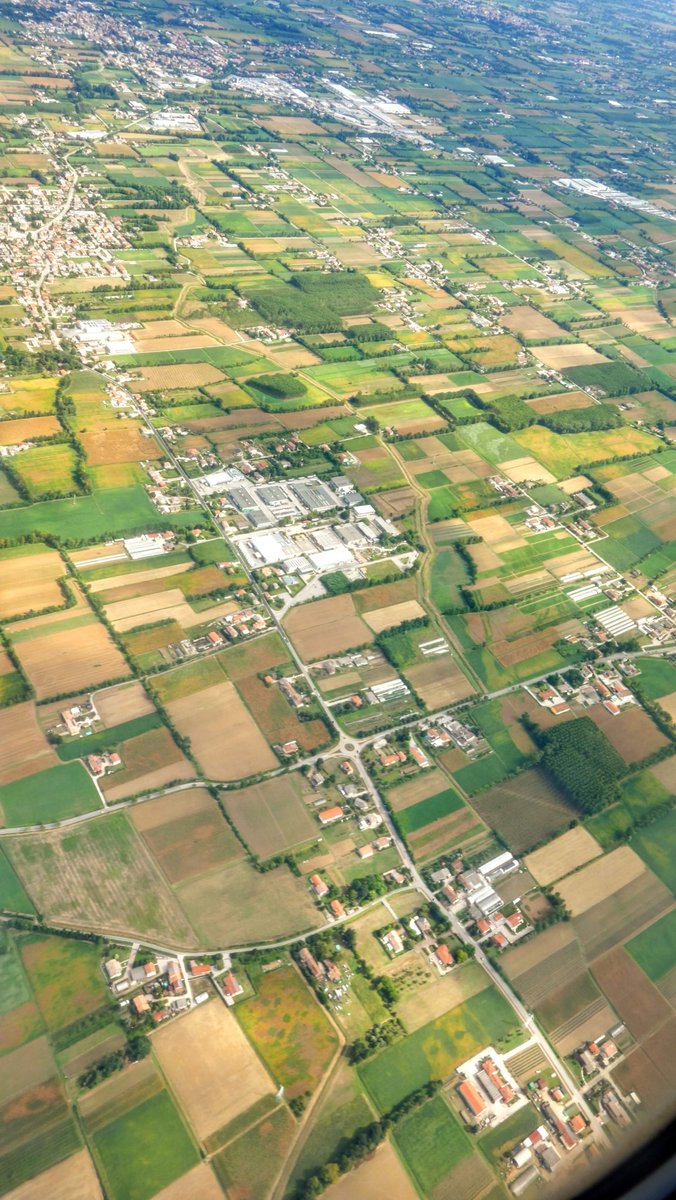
(444, 955)
(329, 815)
(337, 908)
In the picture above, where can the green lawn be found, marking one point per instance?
(145, 1150)
(497, 1141)
(51, 795)
(434, 1051)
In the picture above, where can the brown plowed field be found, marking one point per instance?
(225, 738)
(29, 582)
(636, 999)
(24, 748)
(326, 627)
(558, 858)
(68, 660)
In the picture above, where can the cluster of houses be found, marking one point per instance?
(598, 687)
(240, 625)
(595, 1056)
(164, 987)
(448, 730)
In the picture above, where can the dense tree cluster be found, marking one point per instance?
(582, 761)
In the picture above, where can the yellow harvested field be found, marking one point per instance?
(394, 614)
(188, 341)
(159, 329)
(577, 483)
(113, 582)
(25, 428)
(601, 879)
(29, 583)
(326, 627)
(572, 354)
(123, 702)
(198, 1184)
(24, 748)
(521, 469)
(438, 993)
(185, 375)
(226, 740)
(211, 1066)
(69, 660)
(72, 1179)
(93, 555)
(167, 605)
(379, 1177)
(558, 858)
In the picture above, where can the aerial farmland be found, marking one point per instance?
(337, 598)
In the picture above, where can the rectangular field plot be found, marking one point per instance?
(65, 978)
(202, 718)
(186, 833)
(432, 1143)
(23, 745)
(596, 882)
(51, 795)
(34, 571)
(655, 948)
(144, 1149)
(235, 905)
(434, 1050)
(326, 627)
(74, 1178)
(249, 1165)
(622, 914)
(61, 660)
(636, 999)
(524, 810)
(656, 845)
(150, 761)
(289, 1030)
(271, 816)
(565, 854)
(197, 1053)
(99, 875)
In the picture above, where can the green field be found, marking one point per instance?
(431, 809)
(144, 1150)
(434, 1051)
(432, 1142)
(656, 845)
(657, 678)
(13, 896)
(65, 978)
(655, 948)
(13, 987)
(34, 1156)
(104, 514)
(51, 795)
(448, 573)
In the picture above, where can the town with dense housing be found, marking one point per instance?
(337, 597)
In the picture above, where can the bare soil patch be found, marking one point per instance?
(379, 1177)
(631, 993)
(386, 618)
(198, 1184)
(123, 702)
(326, 627)
(187, 833)
(24, 748)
